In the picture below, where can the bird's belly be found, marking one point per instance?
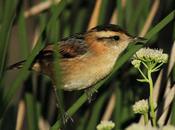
(85, 74)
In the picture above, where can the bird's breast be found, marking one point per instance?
(84, 72)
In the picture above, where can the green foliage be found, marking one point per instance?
(5, 28)
(62, 20)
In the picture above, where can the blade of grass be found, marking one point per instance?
(173, 113)
(94, 17)
(161, 25)
(6, 26)
(119, 64)
(109, 108)
(120, 13)
(53, 24)
(20, 115)
(22, 34)
(1, 11)
(78, 25)
(39, 8)
(76, 9)
(144, 14)
(83, 121)
(65, 18)
(173, 106)
(9, 94)
(150, 18)
(103, 10)
(32, 119)
(118, 108)
(129, 14)
(10, 115)
(53, 28)
(133, 22)
(56, 12)
(95, 116)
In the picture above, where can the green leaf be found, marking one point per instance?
(173, 113)
(5, 29)
(32, 119)
(22, 34)
(120, 13)
(96, 112)
(10, 93)
(161, 25)
(142, 80)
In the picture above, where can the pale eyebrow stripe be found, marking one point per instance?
(105, 34)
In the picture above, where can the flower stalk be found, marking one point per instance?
(141, 107)
(151, 102)
(145, 115)
(152, 60)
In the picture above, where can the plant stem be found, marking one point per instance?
(151, 102)
(157, 67)
(145, 115)
(143, 74)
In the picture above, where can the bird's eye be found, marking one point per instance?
(116, 38)
(113, 38)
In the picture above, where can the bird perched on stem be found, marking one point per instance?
(85, 58)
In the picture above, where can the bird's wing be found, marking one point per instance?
(68, 48)
(73, 46)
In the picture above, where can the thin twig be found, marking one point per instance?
(94, 18)
(150, 18)
(170, 67)
(168, 100)
(157, 86)
(170, 91)
(109, 108)
(172, 59)
(20, 116)
(123, 4)
(114, 17)
(36, 37)
(43, 124)
(40, 7)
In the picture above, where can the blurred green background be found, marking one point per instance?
(26, 26)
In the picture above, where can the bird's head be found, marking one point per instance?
(111, 36)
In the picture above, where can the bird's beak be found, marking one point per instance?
(139, 40)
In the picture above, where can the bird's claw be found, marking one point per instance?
(65, 118)
(89, 93)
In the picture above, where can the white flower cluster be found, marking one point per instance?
(154, 55)
(142, 127)
(136, 63)
(140, 107)
(168, 127)
(105, 125)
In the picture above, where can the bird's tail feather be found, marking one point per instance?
(16, 66)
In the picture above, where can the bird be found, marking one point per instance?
(85, 58)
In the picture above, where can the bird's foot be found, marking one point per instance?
(89, 93)
(65, 117)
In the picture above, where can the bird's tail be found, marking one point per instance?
(16, 66)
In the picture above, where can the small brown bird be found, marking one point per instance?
(85, 58)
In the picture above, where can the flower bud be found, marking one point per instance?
(105, 125)
(141, 107)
